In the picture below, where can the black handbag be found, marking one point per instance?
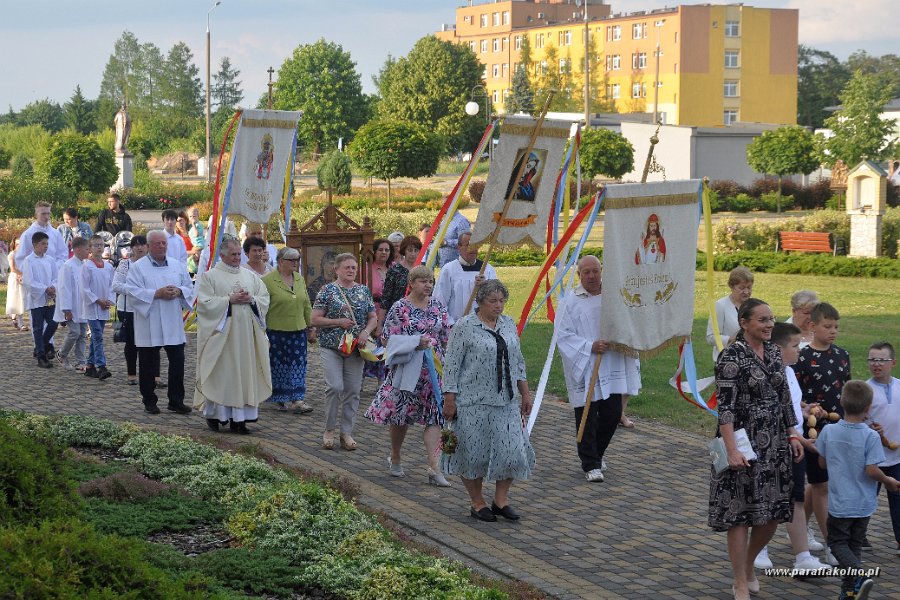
(118, 330)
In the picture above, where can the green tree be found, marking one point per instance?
(5, 157)
(321, 80)
(180, 88)
(46, 113)
(22, 167)
(784, 151)
(525, 59)
(79, 113)
(430, 87)
(334, 173)
(78, 162)
(605, 152)
(522, 98)
(859, 131)
(820, 78)
(226, 91)
(886, 67)
(388, 149)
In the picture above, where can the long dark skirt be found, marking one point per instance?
(287, 357)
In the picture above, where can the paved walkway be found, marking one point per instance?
(641, 534)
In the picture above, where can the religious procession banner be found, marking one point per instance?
(260, 170)
(649, 260)
(526, 220)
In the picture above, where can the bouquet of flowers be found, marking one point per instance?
(449, 441)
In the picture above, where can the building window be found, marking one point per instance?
(467, 19)
(731, 59)
(518, 42)
(495, 97)
(484, 73)
(643, 90)
(504, 43)
(539, 40)
(543, 67)
(483, 46)
(731, 89)
(563, 65)
(472, 46)
(635, 90)
(506, 17)
(732, 29)
(638, 31)
(496, 71)
(613, 33)
(616, 91)
(496, 44)
(639, 60)
(616, 62)
(505, 70)
(484, 20)
(495, 19)
(730, 117)
(566, 38)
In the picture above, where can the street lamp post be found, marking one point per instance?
(659, 25)
(472, 109)
(587, 69)
(208, 169)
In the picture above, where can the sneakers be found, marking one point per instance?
(866, 545)
(762, 560)
(602, 464)
(594, 475)
(830, 559)
(91, 371)
(814, 544)
(43, 362)
(809, 563)
(103, 373)
(860, 591)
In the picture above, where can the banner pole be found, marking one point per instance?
(512, 194)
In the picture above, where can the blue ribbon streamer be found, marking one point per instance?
(435, 382)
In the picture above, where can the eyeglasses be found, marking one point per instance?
(879, 361)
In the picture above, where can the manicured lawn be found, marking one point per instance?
(869, 309)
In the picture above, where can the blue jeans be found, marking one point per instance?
(96, 356)
(893, 499)
(42, 329)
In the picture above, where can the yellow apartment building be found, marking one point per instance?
(717, 65)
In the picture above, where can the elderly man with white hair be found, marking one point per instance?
(233, 373)
(578, 322)
(159, 289)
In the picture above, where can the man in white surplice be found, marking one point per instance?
(459, 277)
(159, 289)
(233, 375)
(578, 324)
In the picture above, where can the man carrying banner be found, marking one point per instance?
(578, 321)
(459, 277)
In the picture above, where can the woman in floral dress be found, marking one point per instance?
(416, 315)
(753, 395)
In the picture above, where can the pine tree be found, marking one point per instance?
(522, 98)
(226, 90)
(79, 115)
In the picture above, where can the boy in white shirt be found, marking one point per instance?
(97, 296)
(39, 273)
(885, 418)
(175, 248)
(68, 306)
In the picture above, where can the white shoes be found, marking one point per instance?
(594, 475)
(395, 470)
(602, 464)
(830, 559)
(437, 478)
(762, 560)
(809, 563)
(814, 544)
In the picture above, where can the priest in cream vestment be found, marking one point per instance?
(233, 375)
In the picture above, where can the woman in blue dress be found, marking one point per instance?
(486, 396)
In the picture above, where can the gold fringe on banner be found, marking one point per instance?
(269, 123)
(645, 354)
(525, 130)
(643, 201)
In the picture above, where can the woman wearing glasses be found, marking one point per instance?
(286, 322)
(750, 498)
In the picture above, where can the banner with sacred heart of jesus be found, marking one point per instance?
(649, 263)
(526, 220)
(261, 160)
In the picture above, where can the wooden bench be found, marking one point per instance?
(806, 241)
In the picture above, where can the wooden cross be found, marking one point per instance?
(270, 71)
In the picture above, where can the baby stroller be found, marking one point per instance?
(121, 246)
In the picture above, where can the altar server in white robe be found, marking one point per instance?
(458, 278)
(233, 373)
(159, 289)
(68, 306)
(57, 249)
(578, 335)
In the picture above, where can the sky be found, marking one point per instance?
(50, 46)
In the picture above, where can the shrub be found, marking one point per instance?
(476, 190)
(91, 432)
(814, 264)
(5, 157)
(742, 203)
(86, 467)
(225, 472)
(763, 185)
(421, 582)
(79, 162)
(334, 173)
(170, 511)
(727, 188)
(250, 571)
(123, 486)
(160, 456)
(22, 167)
(18, 195)
(33, 482)
(69, 559)
(769, 202)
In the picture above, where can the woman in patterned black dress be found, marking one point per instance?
(753, 395)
